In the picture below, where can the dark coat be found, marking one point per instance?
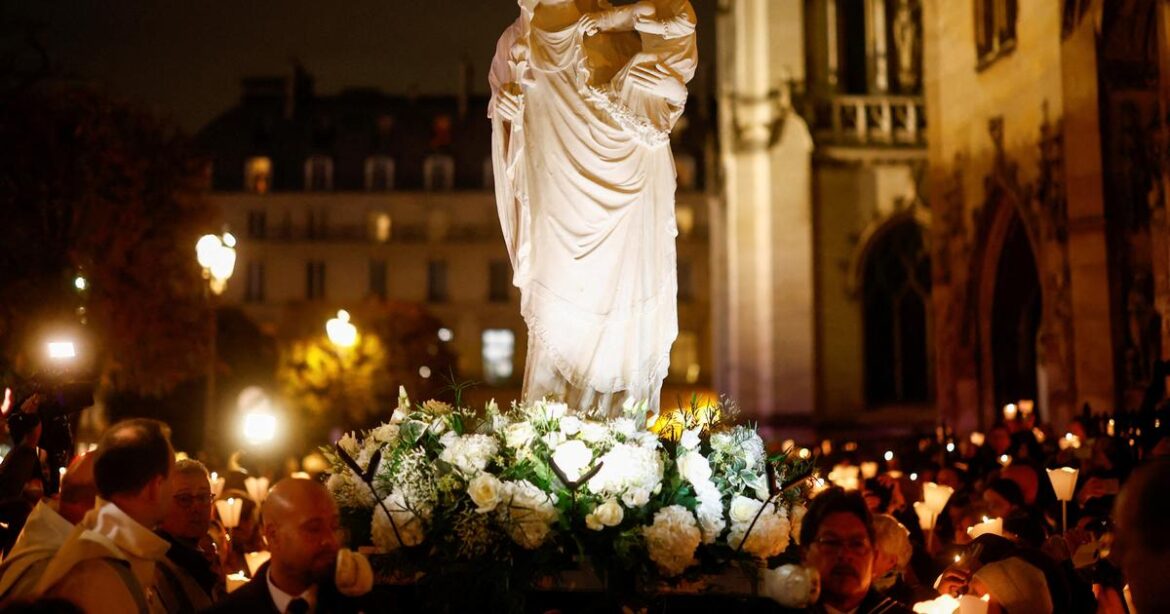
(254, 598)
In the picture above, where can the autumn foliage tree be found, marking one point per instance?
(98, 188)
(356, 388)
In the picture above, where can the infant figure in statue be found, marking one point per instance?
(583, 99)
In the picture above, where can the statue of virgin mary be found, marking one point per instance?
(584, 96)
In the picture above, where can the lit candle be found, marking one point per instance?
(970, 604)
(989, 525)
(257, 488)
(936, 496)
(229, 511)
(925, 516)
(1026, 407)
(977, 439)
(1110, 429)
(889, 455)
(943, 604)
(869, 469)
(1064, 484)
(1005, 460)
(255, 560)
(236, 580)
(1009, 412)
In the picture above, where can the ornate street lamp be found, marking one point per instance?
(217, 256)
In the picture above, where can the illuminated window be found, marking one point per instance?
(379, 174)
(684, 216)
(380, 227)
(258, 175)
(438, 173)
(499, 345)
(319, 173)
(684, 358)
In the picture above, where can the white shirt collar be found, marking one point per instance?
(281, 599)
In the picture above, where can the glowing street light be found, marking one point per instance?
(62, 350)
(259, 427)
(341, 331)
(217, 256)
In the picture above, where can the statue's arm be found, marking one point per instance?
(618, 19)
(678, 23)
(509, 60)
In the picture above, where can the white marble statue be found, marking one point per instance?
(584, 96)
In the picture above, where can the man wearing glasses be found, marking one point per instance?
(837, 535)
(191, 572)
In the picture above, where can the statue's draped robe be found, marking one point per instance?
(586, 205)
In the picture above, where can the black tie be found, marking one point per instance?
(297, 606)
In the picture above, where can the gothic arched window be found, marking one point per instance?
(897, 322)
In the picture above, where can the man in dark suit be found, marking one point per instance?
(837, 539)
(300, 524)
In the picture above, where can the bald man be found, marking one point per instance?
(301, 525)
(47, 527)
(1143, 539)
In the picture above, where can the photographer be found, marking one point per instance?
(22, 476)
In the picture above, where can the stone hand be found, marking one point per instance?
(590, 23)
(660, 82)
(509, 103)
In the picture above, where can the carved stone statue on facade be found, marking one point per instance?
(907, 39)
(584, 96)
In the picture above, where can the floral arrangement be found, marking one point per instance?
(539, 489)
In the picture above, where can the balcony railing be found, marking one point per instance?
(871, 121)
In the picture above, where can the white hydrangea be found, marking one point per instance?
(349, 491)
(624, 427)
(672, 539)
(469, 454)
(594, 432)
(628, 471)
(768, 537)
(570, 425)
(527, 513)
(410, 527)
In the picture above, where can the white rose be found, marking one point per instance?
(690, 438)
(744, 509)
(518, 435)
(694, 468)
(636, 497)
(570, 425)
(609, 513)
(594, 432)
(485, 490)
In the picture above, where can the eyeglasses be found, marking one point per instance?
(189, 499)
(831, 546)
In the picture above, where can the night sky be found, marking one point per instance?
(185, 58)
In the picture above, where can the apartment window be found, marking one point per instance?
(499, 347)
(318, 224)
(379, 174)
(380, 226)
(438, 173)
(684, 358)
(258, 174)
(257, 224)
(687, 171)
(995, 28)
(254, 283)
(319, 173)
(686, 281)
(437, 281)
(500, 279)
(378, 278)
(315, 279)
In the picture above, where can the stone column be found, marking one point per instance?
(767, 284)
(876, 48)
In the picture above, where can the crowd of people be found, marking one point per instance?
(133, 528)
(1003, 536)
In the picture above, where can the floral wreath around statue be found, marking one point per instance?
(536, 490)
